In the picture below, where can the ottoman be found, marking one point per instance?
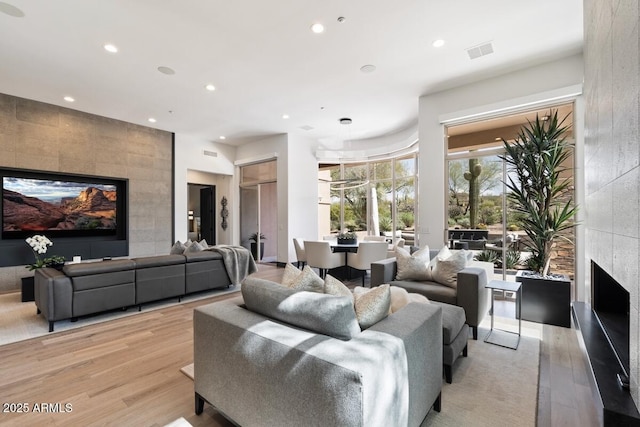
(455, 333)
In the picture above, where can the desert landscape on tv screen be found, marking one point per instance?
(40, 205)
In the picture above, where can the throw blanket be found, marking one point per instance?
(237, 260)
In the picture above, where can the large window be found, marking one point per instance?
(479, 214)
(372, 198)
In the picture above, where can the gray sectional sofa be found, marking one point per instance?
(470, 292)
(258, 371)
(92, 287)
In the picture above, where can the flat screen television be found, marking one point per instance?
(60, 205)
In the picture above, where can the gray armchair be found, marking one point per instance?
(470, 293)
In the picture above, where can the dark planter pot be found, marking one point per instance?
(347, 241)
(546, 301)
(58, 266)
(254, 250)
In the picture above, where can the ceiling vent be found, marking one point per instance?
(210, 153)
(480, 50)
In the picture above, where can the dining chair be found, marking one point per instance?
(391, 253)
(301, 254)
(368, 252)
(320, 256)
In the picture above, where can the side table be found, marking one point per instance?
(27, 289)
(509, 287)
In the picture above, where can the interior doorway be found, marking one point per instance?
(259, 210)
(201, 215)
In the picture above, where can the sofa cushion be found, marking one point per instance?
(99, 267)
(372, 305)
(446, 270)
(202, 256)
(325, 314)
(432, 290)
(452, 320)
(413, 266)
(158, 261)
(333, 286)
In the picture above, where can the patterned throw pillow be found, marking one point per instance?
(413, 266)
(446, 270)
(290, 275)
(372, 305)
(308, 280)
(333, 286)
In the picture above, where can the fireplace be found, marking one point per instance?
(610, 302)
(604, 336)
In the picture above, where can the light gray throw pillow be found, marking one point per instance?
(413, 266)
(177, 248)
(329, 315)
(446, 270)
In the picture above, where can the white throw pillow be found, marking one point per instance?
(413, 266)
(446, 270)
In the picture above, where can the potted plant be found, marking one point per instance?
(539, 192)
(254, 239)
(39, 245)
(347, 238)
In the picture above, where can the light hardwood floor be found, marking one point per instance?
(126, 373)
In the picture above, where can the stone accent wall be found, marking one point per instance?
(612, 151)
(39, 136)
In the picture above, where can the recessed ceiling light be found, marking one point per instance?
(69, 98)
(223, 137)
(285, 116)
(110, 48)
(317, 28)
(166, 70)
(341, 19)
(11, 10)
(368, 68)
(345, 121)
(438, 43)
(210, 87)
(152, 120)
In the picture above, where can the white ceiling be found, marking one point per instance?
(265, 61)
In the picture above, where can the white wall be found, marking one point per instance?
(192, 165)
(302, 193)
(491, 96)
(297, 186)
